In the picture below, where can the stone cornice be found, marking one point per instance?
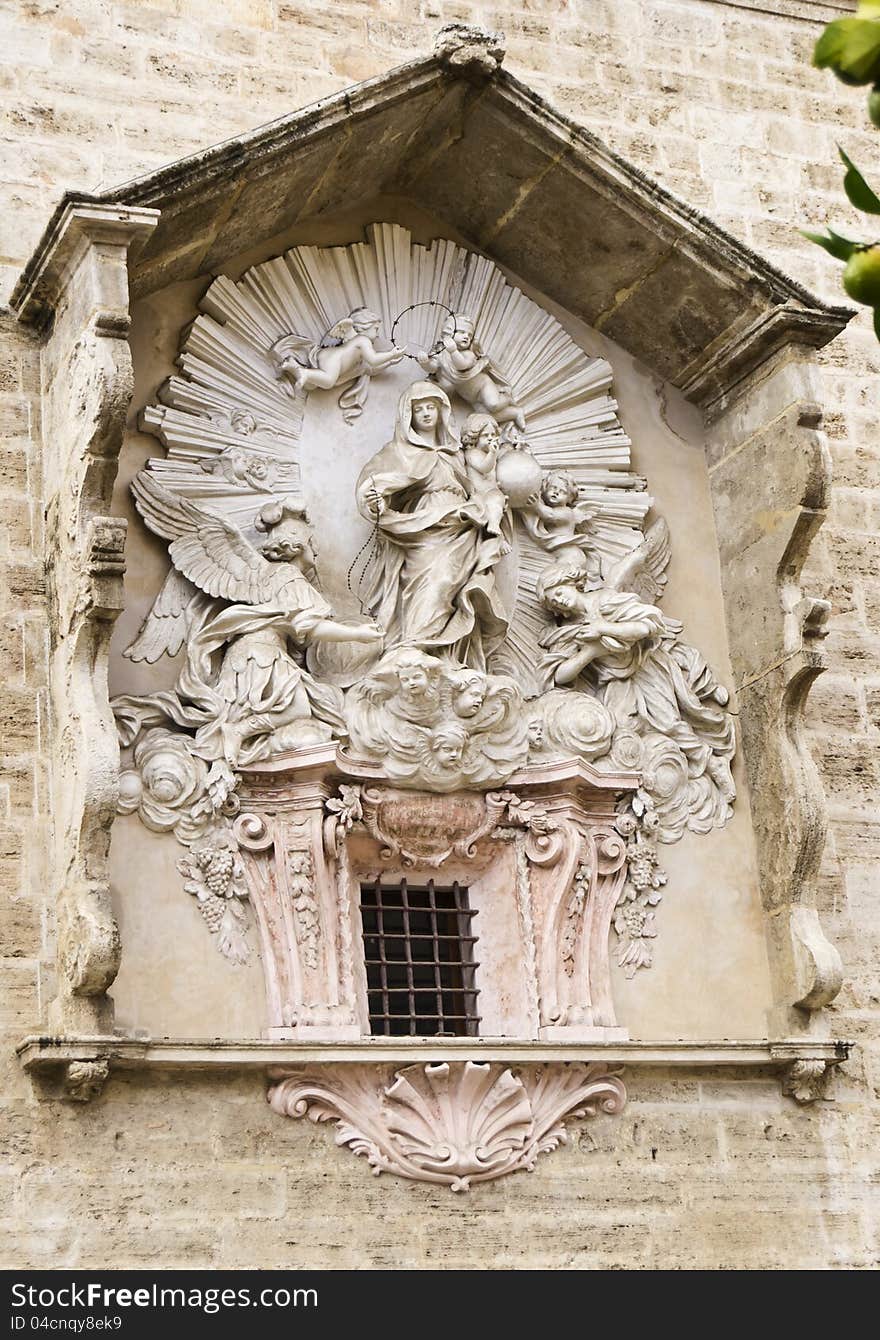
(39, 1052)
(77, 224)
(691, 301)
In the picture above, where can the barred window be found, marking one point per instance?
(419, 957)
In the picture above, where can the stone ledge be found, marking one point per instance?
(40, 1053)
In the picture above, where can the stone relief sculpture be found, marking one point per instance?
(345, 356)
(433, 585)
(451, 1127)
(460, 367)
(556, 519)
(437, 726)
(509, 599)
(611, 641)
(257, 699)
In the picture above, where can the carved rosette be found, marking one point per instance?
(452, 1123)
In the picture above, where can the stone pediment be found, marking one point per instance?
(460, 136)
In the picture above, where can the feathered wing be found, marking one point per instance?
(206, 548)
(178, 611)
(340, 331)
(643, 571)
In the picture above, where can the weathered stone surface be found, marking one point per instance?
(669, 101)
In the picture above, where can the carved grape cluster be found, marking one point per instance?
(217, 866)
(212, 909)
(642, 865)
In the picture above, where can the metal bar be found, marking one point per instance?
(407, 950)
(438, 981)
(383, 967)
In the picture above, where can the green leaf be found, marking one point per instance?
(877, 322)
(857, 189)
(841, 248)
(868, 9)
(850, 47)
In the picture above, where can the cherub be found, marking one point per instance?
(242, 468)
(407, 684)
(346, 354)
(447, 746)
(469, 689)
(481, 439)
(555, 519)
(458, 364)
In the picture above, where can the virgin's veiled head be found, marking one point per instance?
(443, 434)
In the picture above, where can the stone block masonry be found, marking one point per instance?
(715, 98)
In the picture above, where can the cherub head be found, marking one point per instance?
(365, 322)
(469, 689)
(416, 674)
(559, 489)
(447, 745)
(480, 429)
(460, 329)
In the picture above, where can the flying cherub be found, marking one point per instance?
(243, 687)
(346, 354)
(459, 366)
(555, 518)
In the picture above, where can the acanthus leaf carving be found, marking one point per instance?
(806, 1080)
(455, 1124)
(301, 886)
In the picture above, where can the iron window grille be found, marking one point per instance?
(419, 957)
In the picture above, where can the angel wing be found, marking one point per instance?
(206, 548)
(179, 610)
(339, 332)
(644, 570)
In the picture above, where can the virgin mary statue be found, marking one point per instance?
(433, 585)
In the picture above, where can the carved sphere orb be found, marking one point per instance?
(131, 789)
(519, 476)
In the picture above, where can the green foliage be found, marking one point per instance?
(851, 48)
(841, 248)
(857, 189)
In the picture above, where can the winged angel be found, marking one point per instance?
(613, 641)
(345, 356)
(243, 688)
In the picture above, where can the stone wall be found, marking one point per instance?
(715, 98)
